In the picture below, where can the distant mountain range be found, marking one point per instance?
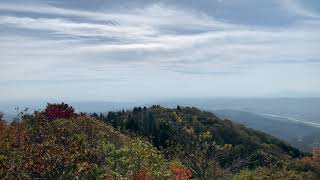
(304, 109)
(300, 134)
(291, 119)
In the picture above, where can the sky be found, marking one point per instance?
(127, 50)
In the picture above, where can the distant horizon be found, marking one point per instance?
(301, 110)
(57, 100)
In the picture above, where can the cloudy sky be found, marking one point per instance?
(120, 50)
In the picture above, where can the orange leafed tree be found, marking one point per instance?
(142, 174)
(180, 172)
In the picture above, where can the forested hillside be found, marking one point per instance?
(145, 143)
(209, 146)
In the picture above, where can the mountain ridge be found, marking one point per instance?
(290, 131)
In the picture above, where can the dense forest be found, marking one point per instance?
(144, 143)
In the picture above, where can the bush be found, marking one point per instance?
(56, 111)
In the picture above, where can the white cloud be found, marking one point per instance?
(155, 42)
(77, 28)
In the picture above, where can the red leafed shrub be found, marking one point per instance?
(142, 174)
(56, 111)
(180, 172)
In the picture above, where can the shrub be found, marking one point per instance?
(57, 111)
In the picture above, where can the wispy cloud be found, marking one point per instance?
(66, 27)
(42, 42)
(156, 34)
(296, 7)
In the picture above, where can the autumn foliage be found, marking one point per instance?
(56, 111)
(57, 143)
(180, 172)
(142, 174)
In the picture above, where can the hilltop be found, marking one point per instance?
(145, 143)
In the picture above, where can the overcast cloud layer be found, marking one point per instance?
(131, 50)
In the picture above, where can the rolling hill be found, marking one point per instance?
(298, 134)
